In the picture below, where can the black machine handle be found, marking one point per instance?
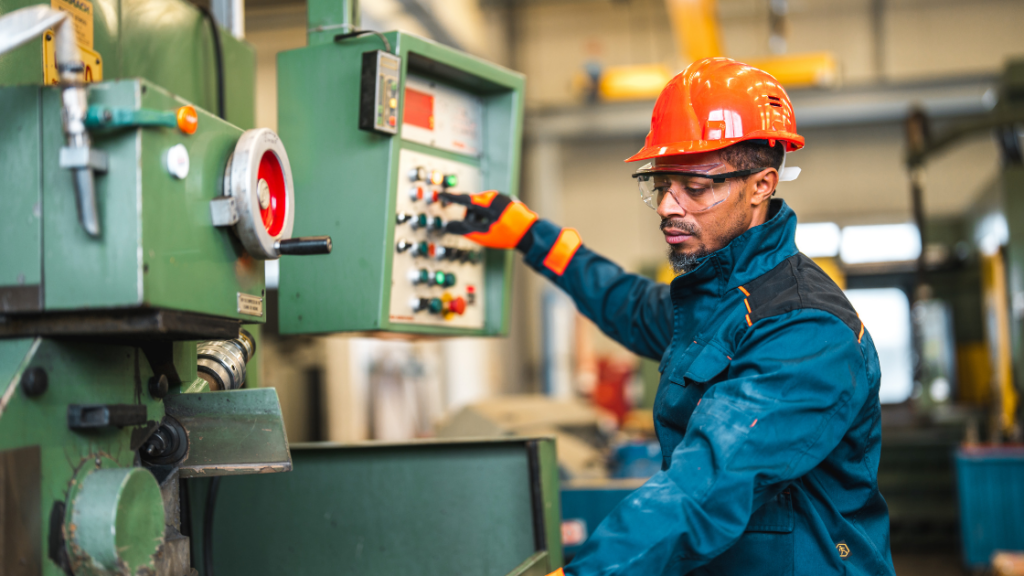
(305, 246)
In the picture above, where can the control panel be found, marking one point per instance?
(436, 278)
(458, 124)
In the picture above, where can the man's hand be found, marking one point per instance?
(493, 219)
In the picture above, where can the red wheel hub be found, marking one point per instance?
(273, 215)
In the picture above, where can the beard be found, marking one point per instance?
(685, 261)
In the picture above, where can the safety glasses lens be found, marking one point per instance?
(692, 193)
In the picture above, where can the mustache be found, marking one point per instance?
(680, 224)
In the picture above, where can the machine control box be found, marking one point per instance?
(379, 96)
(394, 268)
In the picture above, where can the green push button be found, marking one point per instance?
(422, 248)
(451, 180)
(424, 276)
(439, 278)
(421, 220)
(449, 279)
(438, 223)
(436, 306)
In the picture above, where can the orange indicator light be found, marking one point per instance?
(188, 119)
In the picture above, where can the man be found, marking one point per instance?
(767, 411)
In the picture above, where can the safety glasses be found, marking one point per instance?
(693, 191)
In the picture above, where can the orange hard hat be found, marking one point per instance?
(717, 102)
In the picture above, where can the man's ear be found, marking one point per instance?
(765, 183)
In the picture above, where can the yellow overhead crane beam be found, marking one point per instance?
(698, 35)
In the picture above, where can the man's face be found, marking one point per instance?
(691, 235)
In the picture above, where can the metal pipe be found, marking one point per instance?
(20, 27)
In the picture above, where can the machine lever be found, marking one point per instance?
(83, 417)
(304, 246)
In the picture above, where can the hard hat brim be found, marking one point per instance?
(793, 143)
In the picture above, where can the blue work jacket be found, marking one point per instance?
(767, 413)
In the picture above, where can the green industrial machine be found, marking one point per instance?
(132, 246)
(134, 232)
(377, 125)
(432, 508)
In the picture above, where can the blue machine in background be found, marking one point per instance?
(990, 481)
(585, 503)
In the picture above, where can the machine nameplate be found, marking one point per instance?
(250, 305)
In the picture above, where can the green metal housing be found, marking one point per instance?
(346, 180)
(487, 508)
(159, 248)
(167, 42)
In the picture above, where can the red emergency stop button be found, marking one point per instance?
(188, 119)
(458, 305)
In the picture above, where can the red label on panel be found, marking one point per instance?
(419, 109)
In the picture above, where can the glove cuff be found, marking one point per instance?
(526, 242)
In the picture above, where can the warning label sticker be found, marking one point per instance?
(82, 17)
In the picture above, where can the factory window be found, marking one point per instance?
(886, 315)
(818, 239)
(880, 243)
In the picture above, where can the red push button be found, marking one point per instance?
(458, 305)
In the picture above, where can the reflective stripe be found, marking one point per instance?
(861, 334)
(563, 250)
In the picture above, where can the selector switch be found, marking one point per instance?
(402, 246)
(421, 276)
(418, 173)
(402, 218)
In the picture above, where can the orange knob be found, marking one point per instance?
(188, 119)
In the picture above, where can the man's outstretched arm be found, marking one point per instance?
(635, 311)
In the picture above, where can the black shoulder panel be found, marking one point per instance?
(795, 284)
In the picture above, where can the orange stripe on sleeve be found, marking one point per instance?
(563, 250)
(747, 304)
(861, 334)
(744, 290)
(749, 323)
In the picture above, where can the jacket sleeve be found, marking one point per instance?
(794, 389)
(633, 310)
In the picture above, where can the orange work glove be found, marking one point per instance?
(558, 572)
(493, 219)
